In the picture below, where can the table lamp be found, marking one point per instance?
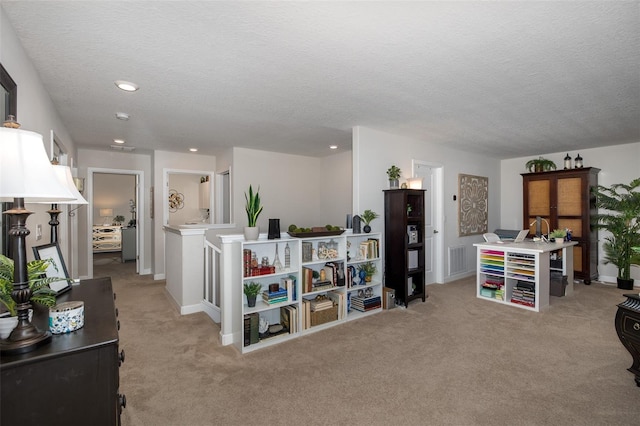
(64, 176)
(106, 213)
(26, 175)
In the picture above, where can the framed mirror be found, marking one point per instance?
(8, 106)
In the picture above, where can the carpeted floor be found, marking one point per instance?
(454, 360)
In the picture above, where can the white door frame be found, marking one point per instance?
(438, 189)
(140, 217)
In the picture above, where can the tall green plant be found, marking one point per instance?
(252, 206)
(38, 282)
(619, 213)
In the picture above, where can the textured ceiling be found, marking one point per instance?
(506, 79)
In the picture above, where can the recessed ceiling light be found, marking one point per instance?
(193, 149)
(333, 146)
(120, 141)
(127, 86)
(122, 116)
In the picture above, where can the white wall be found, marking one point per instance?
(188, 185)
(37, 113)
(113, 191)
(617, 164)
(375, 151)
(172, 161)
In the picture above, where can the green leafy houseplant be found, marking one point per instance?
(252, 288)
(252, 206)
(118, 219)
(619, 214)
(394, 172)
(368, 216)
(540, 165)
(369, 269)
(38, 283)
(558, 234)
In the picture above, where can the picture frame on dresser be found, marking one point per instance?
(57, 267)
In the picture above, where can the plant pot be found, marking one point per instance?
(251, 233)
(368, 278)
(7, 324)
(366, 229)
(394, 183)
(624, 284)
(251, 300)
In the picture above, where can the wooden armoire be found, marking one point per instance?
(563, 198)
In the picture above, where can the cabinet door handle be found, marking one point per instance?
(636, 326)
(122, 399)
(435, 231)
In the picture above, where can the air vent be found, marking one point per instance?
(122, 148)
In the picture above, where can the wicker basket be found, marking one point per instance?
(324, 316)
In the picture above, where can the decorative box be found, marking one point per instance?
(66, 317)
(324, 316)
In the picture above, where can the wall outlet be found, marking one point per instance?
(38, 232)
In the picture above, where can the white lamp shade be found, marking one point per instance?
(415, 182)
(106, 212)
(25, 170)
(64, 174)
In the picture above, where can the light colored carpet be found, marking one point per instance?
(454, 360)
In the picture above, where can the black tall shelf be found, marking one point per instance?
(404, 257)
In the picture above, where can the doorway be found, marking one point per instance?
(432, 183)
(115, 196)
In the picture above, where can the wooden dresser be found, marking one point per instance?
(74, 380)
(107, 238)
(628, 329)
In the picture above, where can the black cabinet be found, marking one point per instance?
(628, 329)
(73, 380)
(404, 243)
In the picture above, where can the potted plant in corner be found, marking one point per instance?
(118, 220)
(367, 217)
(38, 283)
(393, 173)
(540, 165)
(251, 290)
(619, 214)
(253, 209)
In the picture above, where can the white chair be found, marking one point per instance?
(490, 237)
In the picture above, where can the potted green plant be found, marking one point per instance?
(366, 271)
(393, 173)
(253, 209)
(619, 214)
(540, 165)
(367, 217)
(558, 235)
(38, 283)
(251, 290)
(118, 220)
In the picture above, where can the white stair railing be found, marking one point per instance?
(211, 301)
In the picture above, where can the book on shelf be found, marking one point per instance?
(338, 299)
(335, 270)
(320, 305)
(289, 284)
(251, 329)
(306, 313)
(364, 304)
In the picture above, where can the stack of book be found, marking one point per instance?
(492, 288)
(364, 304)
(271, 297)
(320, 305)
(524, 293)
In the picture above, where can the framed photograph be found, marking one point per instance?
(56, 268)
